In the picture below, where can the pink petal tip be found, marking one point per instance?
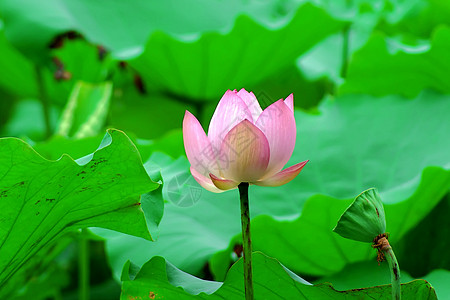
(283, 177)
(223, 184)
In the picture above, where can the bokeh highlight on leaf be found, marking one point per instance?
(86, 110)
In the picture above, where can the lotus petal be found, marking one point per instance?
(244, 153)
(278, 125)
(282, 177)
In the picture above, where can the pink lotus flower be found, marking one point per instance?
(244, 143)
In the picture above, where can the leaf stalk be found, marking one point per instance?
(395, 272)
(83, 266)
(45, 101)
(247, 244)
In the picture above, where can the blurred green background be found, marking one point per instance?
(371, 91)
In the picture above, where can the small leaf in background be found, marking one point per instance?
(41, 199)
(385, 66)
(364, 219)
(416, 19)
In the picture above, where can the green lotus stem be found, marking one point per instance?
(44, 100)
(57, 295)
(83, 266)
(345, 50)
(395, 272)
(247, 244)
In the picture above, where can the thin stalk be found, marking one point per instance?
(200, 108)
(247, 244)
(395, 272)
(345, 50)
(43, 97)
(57, 295)
(83, 266)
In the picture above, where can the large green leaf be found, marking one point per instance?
(356, 142)
(156, 279)
(246, 42)
(386, 66)
(287, 81)
(18, 69)
(416, 18)
(311, 247)
(40, 199)
(425, 248)
(45, 286)
(21, 124)
(440, 280)
(370, 273)
(53, 148)
(329, 58)
(40, 270)
(56, 146)
(31, 25)
(363, 274)
(187, 67)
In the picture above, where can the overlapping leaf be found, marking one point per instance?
(271, 281)
(245, 44)
(31, 25)
(311, 246)
(370, 273)
(416, 18)
(247, 54)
